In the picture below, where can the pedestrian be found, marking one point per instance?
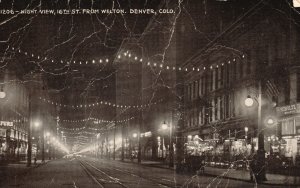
(253, 167)
(35, 160)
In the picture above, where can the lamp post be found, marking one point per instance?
(261, 174)
(2, 93)
(171, 150)
(246, 133)
(37, 124)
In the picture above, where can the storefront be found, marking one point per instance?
(13, 143)
(289, 120)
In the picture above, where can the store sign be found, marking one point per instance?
(289, 109)
(6, 124)
(296, 3)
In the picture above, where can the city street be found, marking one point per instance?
(160, 93)
(87, 172)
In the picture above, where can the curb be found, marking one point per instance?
(212, 175)
(249, 181)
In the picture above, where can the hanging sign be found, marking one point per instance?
(6, 124)
(289, 109)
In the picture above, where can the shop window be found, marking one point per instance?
(288, 127)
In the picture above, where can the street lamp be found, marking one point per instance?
(36, 124)
(134, 135)
(249, 101)
(270, 121)
(246, 132)
(2, 93)
(261, 174)
(165, 126)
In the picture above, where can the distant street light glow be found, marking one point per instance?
(36, 124)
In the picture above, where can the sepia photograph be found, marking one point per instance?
(149, 93)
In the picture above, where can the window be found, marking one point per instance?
(248, 70)
(221, 108)
(235, 67)
(200, 87)
(216, 108)
(211, 111)
(206, 84)
(298, 87)
(226, 105)
(212, 80)
(222, 76)
(189, 92)
(192, 91)
(195, 117)
(232, 107)
(241, 69)
(186, 92)
(196, 89)
(227, 73)
(201, 116)
(217, 78)
(192, 118)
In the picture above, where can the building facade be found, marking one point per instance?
(253, 56)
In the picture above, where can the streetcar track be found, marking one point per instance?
(91, 176)
(101, 182)
(145, 178)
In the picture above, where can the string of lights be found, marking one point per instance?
(129, 56)
(100, 103)
(96, 120)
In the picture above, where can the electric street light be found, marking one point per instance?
(270, 121)
(134, 135)
(261, 173)
(246, 132)
(249, 101)
(2, 93)
(36, 124)
(164, 126)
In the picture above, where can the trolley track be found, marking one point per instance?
(103, 177)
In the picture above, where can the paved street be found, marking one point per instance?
(84, 172)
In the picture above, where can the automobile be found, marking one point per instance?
(192, 163)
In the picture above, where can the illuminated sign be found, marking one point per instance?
(6, 124)
(289, 109)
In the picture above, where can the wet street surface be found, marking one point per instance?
(90, 173)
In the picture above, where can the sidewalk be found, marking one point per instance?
(12, 170)
(242, 175)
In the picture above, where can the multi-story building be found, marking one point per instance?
(251, 56)
(14, 117)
